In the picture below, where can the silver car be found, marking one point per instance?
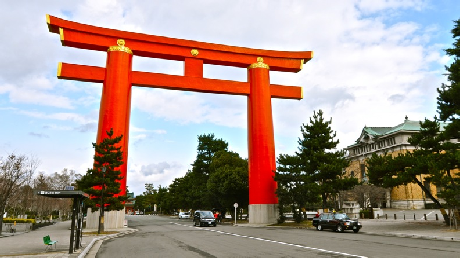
(184, 215)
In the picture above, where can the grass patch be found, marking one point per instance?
(302, 224)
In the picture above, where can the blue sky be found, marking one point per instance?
(375, 62)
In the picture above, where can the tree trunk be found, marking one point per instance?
(1, 219)
(438, 204)
(324, 197)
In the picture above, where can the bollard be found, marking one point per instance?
(437, 217)
(386, 216)
(424, 216)
(404, 216)
(378, 216)
(414, 216)
(395, 215)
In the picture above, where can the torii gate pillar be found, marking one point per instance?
(263, 203)
(115, 109)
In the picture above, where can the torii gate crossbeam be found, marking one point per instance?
(118, 78)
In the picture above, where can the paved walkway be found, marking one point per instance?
(31, 244)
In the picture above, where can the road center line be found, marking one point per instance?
(273, 241)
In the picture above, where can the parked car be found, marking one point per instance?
(337, 222)
(184, 215)
(204, 218)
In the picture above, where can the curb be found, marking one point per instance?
(403, 235)
(90, 245)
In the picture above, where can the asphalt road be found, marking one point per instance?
(171, 237)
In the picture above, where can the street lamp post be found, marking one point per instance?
(101, 214)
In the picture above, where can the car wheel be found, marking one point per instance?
(339, 228)
(319, 228)
(356, 230)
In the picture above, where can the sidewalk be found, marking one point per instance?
(30, 244)
(423, 229)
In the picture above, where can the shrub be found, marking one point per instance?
(8, 220)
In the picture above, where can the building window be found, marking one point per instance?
(363, 170)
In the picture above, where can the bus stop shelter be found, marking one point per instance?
(76, 228)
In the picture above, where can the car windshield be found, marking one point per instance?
(206, 214)
(341, 216)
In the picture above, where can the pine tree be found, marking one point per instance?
(448, 99)
(316, 169)
(449, 111)
(319, 160)
(110, 156)
(436, 155)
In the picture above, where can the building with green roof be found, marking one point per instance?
(389, 140)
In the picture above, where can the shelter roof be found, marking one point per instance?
(62, 193)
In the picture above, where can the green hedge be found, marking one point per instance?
(7, 220)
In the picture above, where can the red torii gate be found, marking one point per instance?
(118, 78)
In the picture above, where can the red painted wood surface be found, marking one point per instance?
(90, 37)
(175, 82)
(115, 107)
(261, 141)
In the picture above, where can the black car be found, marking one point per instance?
(204, 218)
(337, 222)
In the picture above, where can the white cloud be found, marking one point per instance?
(185, 108)
(162, 173)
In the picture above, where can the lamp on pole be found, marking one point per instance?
(101, 214)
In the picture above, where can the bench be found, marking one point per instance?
(47, 241)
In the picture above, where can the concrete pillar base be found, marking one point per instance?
(263, 213)
(112, 219)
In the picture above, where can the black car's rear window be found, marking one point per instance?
(341, 216)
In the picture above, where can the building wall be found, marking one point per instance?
(409, 196)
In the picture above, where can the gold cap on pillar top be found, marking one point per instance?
(260, 64)
(120, 47)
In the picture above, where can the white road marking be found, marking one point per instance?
(273, 241)
(423, 217)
